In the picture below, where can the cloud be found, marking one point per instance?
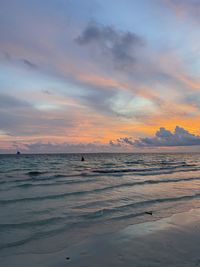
(47, 92)
(11, 102)
(31, 122)
(19, 117)
(186, 8)
(29, 64)
(192, 99)
(114, 144)
(105, 100)
(119, 46)
(165, 138)
(15, 60)
(40, 147)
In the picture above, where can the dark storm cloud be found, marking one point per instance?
(165, 138)
(120, 46)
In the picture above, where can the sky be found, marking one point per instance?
(99, 76)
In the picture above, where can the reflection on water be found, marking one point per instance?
(50, 195)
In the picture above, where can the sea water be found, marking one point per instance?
(49, 202)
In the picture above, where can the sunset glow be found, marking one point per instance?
(80, 75)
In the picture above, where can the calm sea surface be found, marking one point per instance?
(50, 201)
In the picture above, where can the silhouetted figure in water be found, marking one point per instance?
(18, 153)
(82, 159)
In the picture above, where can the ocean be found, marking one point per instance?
(50, 202)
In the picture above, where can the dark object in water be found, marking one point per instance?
(18, 153)
(68, 258)
(82, 159)
(149, 212)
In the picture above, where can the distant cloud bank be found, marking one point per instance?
(164, 138)
(162, 141)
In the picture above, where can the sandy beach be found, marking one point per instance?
(173, 241)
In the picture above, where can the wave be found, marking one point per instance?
(128, 184)
(142, 170)
(38, 235)
(110, 211)
(99, 215)
(134, 162)
(150, 173)
(16, 243)
(48, 178)
(173, 162)
(128, 216)
(156, 162)
(35, 173)
(167, 172)
(39, 175)
(59, 175)
(103, 212)
(39, 198)
(30, 223)
(67, 182)
(35, 236)
(142, 183)
(159, 200)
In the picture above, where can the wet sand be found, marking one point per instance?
(174, 241)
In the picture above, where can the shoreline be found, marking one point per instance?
(172, 241)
